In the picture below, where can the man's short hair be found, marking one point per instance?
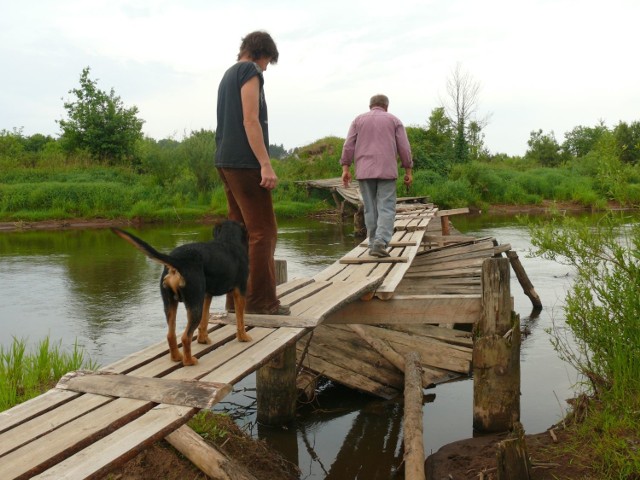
(259, 45)
(379, 101)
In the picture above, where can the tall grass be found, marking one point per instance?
(602, 311)
(24, 375)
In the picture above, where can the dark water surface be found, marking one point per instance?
(90, 286)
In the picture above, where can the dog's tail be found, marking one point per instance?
(145, 248)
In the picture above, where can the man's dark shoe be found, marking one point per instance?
(378, 251)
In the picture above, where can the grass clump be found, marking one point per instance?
(24, 375)
(601, 335)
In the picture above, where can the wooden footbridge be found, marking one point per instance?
(349, 323)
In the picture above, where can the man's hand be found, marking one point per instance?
(408, 180)
(346, 178)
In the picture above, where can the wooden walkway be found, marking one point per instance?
(91, 422)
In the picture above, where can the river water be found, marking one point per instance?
(91, 287)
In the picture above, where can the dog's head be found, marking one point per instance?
(230, 231)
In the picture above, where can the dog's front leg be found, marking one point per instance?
(203, 334)
(239, 303)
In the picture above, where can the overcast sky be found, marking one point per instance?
(541, 64)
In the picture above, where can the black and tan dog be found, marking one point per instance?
(196, 272)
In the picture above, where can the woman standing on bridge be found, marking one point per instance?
(243, 163)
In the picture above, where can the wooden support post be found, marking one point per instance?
(523, 278)
(412, 422)
(512, 457)
(276, 381)
(496, 353)
(444, 223)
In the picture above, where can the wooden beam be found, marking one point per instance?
(412, 419)
(407, 309)
(453, 211)
(159, 390)
(208, 459)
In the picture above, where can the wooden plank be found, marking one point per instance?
(394, 277)
(300, 294)
(344, 349)
(48, 450)
(335, 297)
(158, 390)
(217, 334)
(453, 211)
(292, 285)
(432, 353)
(351, 379)
(448, 335)
(268, 321)
(257, 355)
(102, 456)
(410, 309)
(371, 259)
(49, 420)
(25, 411)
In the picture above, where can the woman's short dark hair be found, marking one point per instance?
(259, 45)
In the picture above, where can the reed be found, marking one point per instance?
(24, 375)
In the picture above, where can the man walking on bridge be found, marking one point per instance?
(375, 140)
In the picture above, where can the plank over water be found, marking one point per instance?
(94, 418)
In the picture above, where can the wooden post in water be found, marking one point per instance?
(496, 353)
(276, 381)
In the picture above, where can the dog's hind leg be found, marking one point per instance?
(239, 302)
(192, 322)
(203, 334)
(170, 310)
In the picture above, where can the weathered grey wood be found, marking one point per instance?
(158, 390)
(432, 352)
(208, 459)
(276, 389)
(408, 309)
(412, 420)
(370, 259)
(513, 458)
(24, 412)
(523, 278)
(268, 321)
(335, 297)
(453, 211)
(496, 355)
(116, 449)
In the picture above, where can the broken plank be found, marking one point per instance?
(159, 390)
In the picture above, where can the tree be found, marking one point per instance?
(628, 142)
(461, 108)
(544, 149)
(581, 140)
(99, 123)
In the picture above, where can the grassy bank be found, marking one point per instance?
(600, 338)
(26, 374)
(178, 183)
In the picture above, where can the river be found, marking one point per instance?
(91, 287)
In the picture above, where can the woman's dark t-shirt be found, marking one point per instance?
(232, 146)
